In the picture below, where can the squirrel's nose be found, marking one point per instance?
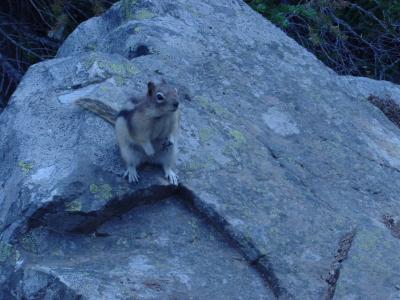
(176, 104)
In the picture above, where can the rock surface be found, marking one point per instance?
(137, 256)
(285, 159)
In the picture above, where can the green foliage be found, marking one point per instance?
(360, 37)
(32, 30)
(65, 15)
(280, 13)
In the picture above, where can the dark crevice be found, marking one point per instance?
(257, 260)
(87, 224)
(393, 224)
(140, 50)
(90, 82)
(272, 152)
(246, 247)
(340, 257)
(120, 205)
(101, 234)
(54, 216)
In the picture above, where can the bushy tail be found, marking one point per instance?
(99, 108)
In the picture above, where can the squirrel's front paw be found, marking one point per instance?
(148, 149)
(171, 176)
(149, 152)
(132, 175)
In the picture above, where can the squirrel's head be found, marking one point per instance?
(163, 96)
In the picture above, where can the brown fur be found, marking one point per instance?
(148, 132)
(99, 108)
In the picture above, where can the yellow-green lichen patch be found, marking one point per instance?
(129, 70)
(211, 106)
(192, 165)
(233, 147)
(143, 14)
(101, 191)
(118, 69)
(367, 240)
(89, 61)
(28, 242)
(369, 249)
(137, 29)
(195, 164)
(120, 81)
(127, 8)
(104, 89)
(232, 151)
(372, 239)
(228, 150)
(203, 101)
(6, 251)
(219, 110)
(205, 134)
(237, 136)
(26, 167)
(72, 206)
(210, 161)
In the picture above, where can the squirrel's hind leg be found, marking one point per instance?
(132, 157)
(166, 157)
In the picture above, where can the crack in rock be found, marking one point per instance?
(255, 264)
(244, 244)
(334, 272)
(88, 223)
(393, 224)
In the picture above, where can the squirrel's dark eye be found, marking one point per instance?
(160, 96)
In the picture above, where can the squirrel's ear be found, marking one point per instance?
(151, 88)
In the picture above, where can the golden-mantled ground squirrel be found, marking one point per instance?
(147, 132)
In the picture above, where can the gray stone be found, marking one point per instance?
(279, 154)
(143, 255)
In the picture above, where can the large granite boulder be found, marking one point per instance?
(290, 178)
